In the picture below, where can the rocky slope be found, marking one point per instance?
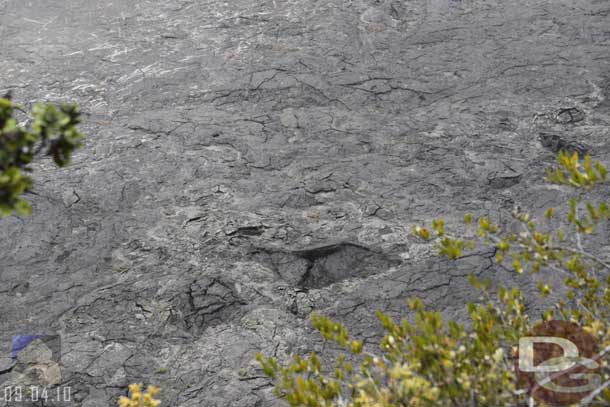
(249, 162)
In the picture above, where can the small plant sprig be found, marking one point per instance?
(52, 131)
(139, 399)
(572, 171)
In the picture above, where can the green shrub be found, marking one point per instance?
(51, 130)
(432, 362)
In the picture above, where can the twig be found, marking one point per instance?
(587, 400)
(578, 241)
(586, 254)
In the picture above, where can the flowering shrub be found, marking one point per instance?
(432, 362)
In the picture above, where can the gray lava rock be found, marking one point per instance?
(251, 162)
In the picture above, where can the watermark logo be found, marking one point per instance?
(558, 363)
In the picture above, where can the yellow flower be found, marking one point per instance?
(137, 399)
(135, 388)
(124, 402)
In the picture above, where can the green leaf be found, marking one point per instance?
(23, 207)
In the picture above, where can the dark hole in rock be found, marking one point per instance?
(248, 231)
(208, 301)
(556, 143)
(321, 266)
(570, 115)
(501, 181)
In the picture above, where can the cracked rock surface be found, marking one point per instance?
(250, 162)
